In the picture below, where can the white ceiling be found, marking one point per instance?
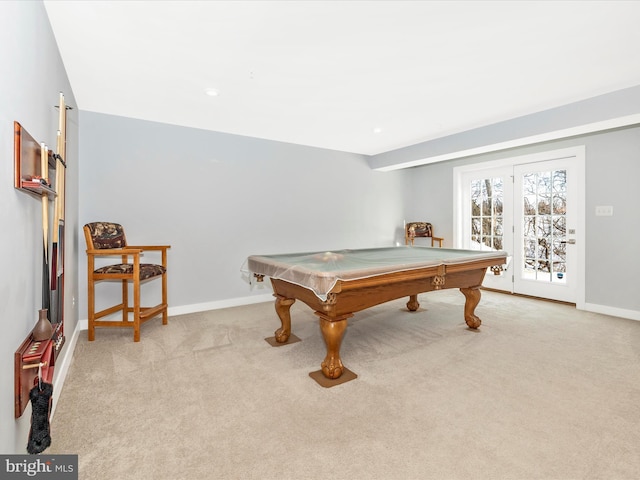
(328, 73)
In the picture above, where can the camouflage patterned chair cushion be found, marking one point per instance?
(147, 270)
(107, 235)
(419, 229)
(111, 235)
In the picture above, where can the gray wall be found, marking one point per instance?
(218, 198)
(32, 77)
(612, 173)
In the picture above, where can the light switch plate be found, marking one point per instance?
(604, 211)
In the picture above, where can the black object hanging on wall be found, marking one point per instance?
(40, 435)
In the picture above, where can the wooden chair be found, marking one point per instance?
(420, 229)
(108, 239)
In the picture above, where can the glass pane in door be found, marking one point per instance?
(544, 226)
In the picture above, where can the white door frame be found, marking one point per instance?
(579, 153)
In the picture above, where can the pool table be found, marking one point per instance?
(339, 283)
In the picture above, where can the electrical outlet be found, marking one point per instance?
(604, 211)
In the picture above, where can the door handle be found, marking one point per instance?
(571, 241)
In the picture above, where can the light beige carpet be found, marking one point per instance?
(541, 391)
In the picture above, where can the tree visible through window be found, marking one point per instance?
(487, 199)
(544, 224)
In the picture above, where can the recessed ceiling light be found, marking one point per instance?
(377, 130)
(212, 92)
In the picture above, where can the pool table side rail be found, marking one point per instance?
(358, 294)
(323, 283)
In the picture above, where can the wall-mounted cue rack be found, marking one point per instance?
(41, 173)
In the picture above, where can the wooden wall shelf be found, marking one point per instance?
(37, 188)
(29, 165)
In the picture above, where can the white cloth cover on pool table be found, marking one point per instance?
(319, 271)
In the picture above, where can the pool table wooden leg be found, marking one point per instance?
(333, 330)
(473, 298)
(283, 306)
(413, 303)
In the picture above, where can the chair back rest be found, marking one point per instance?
(101, 235)
(419, 229)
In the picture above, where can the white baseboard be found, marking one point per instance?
(63, 362)
(203, 307)
(613, 311)
(219, 304)
(268, 297)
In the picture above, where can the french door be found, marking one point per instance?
(533, 208)
(488, 215)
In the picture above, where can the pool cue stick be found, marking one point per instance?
(63, 153)
(56, 222)
(63, 197)
(44, 169)
(59, 196)
(57, 268)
